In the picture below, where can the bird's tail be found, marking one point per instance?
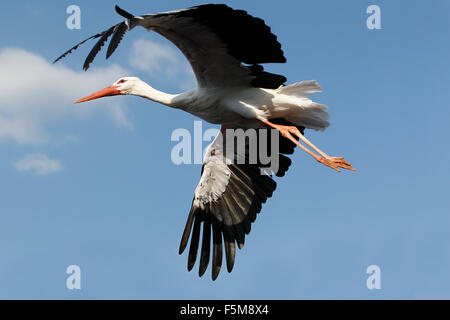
(301, 89)
(302, 110)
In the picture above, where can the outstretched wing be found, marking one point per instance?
(216, 40)
(228, 198)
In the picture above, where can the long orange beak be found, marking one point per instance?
(110, 91)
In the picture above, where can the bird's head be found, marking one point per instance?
(122, 86)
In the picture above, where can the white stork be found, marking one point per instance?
(225, 48)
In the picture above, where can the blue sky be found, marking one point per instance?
(93, 184)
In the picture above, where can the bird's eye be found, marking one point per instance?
(122, 81)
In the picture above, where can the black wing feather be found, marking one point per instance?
(248, 38)
(117, 37)
(194, 243)
(123, 13)
(97, 47)
(187, 229)
(119, 31)
(206, 245)
(217, 249)
(77, 45)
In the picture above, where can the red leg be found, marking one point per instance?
(332, 162)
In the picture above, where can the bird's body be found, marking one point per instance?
(240, 106)
(225, 48)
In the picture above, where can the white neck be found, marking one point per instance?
(142, 89)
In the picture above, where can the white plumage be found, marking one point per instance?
(241, 106)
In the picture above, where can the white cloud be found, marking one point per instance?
(38, 163)
(36, 93)
(120, 117)
(162, 60)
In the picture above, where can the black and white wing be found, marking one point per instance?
(216, 39)
(227, 200)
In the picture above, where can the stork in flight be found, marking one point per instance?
(225, 48)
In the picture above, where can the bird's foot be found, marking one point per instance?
(335, 163)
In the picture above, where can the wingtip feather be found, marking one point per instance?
(123, 13)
